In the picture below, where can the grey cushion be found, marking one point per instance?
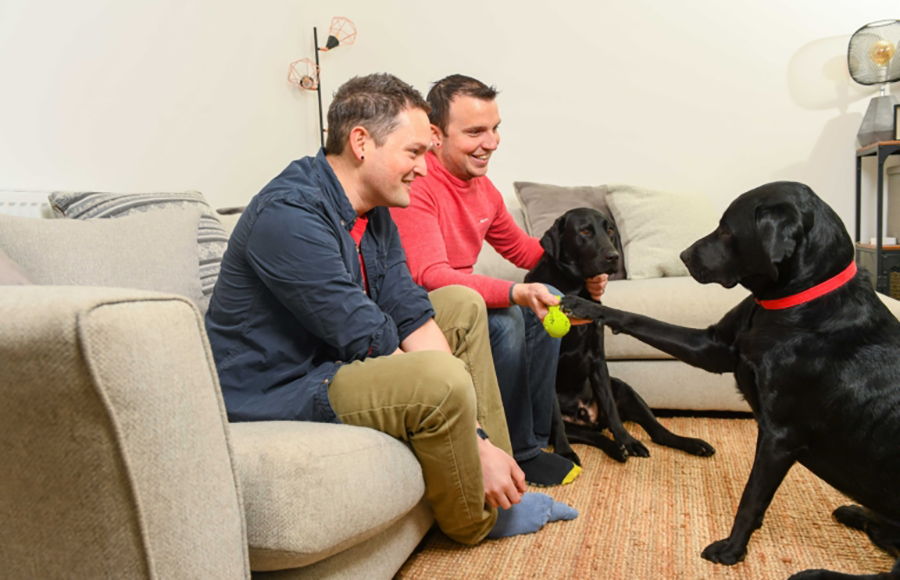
(312, 490)
(153, 251)
(212, 238)
(656, 226)
(11, 274)
(542, 204)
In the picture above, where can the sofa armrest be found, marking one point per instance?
(113, 439)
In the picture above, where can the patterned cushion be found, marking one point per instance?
(212, 237)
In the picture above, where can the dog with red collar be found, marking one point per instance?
(814, 351)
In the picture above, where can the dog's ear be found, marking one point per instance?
(550, 239)
(779, 229)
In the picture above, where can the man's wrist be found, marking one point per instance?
(511, 300)
(482, 434)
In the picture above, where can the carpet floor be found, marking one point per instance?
(650, 518)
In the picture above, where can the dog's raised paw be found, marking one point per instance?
(724, 552)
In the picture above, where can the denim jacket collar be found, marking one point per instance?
(334, 190)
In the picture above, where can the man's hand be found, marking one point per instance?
(596, 286)
(504, 481)
(534, 296)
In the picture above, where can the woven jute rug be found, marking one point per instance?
(649, 519)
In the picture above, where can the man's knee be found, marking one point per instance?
(448, 384)
(507, 326)
(457, 299)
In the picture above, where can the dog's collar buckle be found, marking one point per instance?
(816, 291)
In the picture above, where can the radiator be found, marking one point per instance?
(25, 204)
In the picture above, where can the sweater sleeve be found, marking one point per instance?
(426, 254)
(510, 240)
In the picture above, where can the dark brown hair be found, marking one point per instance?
(372, 101)
(443, 91)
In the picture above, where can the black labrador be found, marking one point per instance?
(582, 244)
(814, 351)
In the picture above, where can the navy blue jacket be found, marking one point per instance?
(289, 307)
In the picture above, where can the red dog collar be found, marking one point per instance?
(816, 291)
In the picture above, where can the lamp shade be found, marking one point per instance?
(873, 56)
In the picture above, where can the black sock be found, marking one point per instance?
(547, 469)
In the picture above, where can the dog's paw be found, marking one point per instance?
(817, 574)
(699, 447)
(724, 552)
(576, 307)
(616, 452)
(635, 448)
(852, 516)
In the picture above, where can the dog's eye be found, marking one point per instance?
(611, 232)
(587, 232)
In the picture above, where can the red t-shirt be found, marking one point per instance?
(444, 227)
(359, 228)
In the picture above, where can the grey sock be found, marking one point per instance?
(530, 515)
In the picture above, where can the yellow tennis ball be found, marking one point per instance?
(556, 323)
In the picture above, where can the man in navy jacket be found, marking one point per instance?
(315, 316)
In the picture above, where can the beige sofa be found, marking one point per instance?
(119, 462)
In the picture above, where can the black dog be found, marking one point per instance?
(814, 351)
(579, 245)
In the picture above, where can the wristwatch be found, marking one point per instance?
(481, 433)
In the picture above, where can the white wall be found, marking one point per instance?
(191, 94)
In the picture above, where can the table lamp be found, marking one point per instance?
(873, 60)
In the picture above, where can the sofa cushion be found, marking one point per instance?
(682, 301)
(313, 489)
(542, 204)
(212, 239)
(11, 274)
(153, 251)
(656, 226)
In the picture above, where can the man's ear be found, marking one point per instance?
(779, 228)
(437, 136)
(550, 239)
(359, 141)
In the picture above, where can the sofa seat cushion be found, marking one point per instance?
(312, 490)
(679, 300)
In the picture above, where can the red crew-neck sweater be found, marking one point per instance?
(443, 229)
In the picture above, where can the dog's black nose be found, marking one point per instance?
(612, 257)
(686, 257)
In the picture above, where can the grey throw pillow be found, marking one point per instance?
(211, 235)
(11, 274)
(152, 251)
(542, 204)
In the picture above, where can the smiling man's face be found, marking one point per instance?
(472, 136)
(391, 167)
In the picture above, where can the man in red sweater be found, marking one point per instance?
(453, 210)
